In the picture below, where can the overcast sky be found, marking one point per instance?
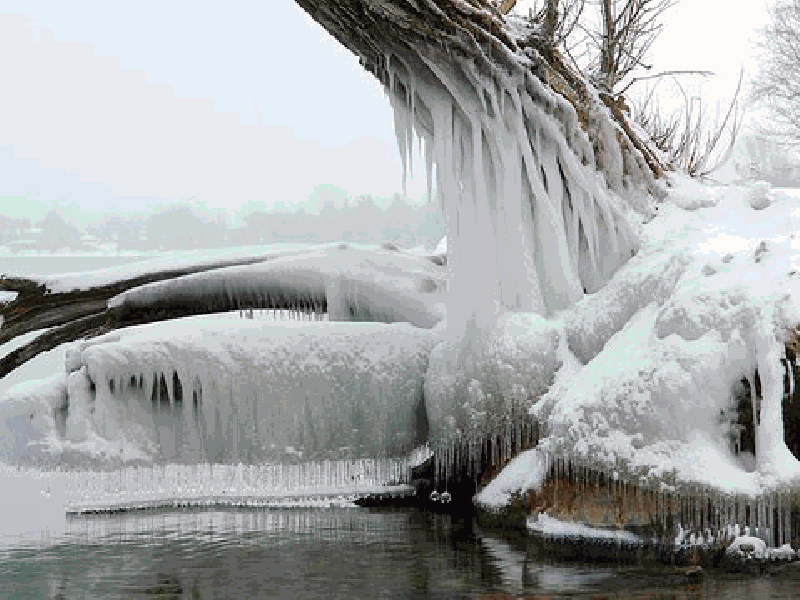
(110, 106)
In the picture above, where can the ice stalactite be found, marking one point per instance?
(772, 453)
(530, 222)
(245, 391)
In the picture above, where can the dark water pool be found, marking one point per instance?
(331, 553)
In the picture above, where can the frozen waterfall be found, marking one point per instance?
(531, 223)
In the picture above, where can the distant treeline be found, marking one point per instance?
(183, 227)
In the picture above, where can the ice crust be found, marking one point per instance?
(262, 389)
(351, 284)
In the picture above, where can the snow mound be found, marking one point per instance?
(746, 546)
(32, 418)
(660, 352)
(525, 472)
(759, 195)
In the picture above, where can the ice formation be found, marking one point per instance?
(628, 343)
(346, 283)
(228, 390)
(531, 224)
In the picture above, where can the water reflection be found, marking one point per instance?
(310, 553)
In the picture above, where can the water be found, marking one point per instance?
(45, 264)
(328, 553)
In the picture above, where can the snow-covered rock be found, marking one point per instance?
(525, 472)
(747, 547)
(759, 195)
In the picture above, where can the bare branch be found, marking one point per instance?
(663, 74)
(777, 86)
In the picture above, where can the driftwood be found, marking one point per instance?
(78, 314)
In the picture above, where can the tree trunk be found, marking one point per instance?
(517, 138)
(608, 50)
(550, 21)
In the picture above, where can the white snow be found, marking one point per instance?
(785, 552)
(546, 525)
(633, 375)
(525, 472)
(6, 297)
(357, 283)
(665, 342)
(746, 546)
(759, 196)
(441, 247)
(14, 344)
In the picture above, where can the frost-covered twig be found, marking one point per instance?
(685, 136)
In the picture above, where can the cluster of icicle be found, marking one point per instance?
(253, 486)
(474, 453)
(680, 512)
(531, 223)
(329, 390)
(303, 313)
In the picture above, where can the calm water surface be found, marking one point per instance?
(328, 553)
(44, 265)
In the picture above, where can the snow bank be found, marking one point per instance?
(664, 345)
(6, 297)
(351, 284)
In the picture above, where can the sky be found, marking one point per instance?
(124, 107)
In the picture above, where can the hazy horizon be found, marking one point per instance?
(115, 111)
